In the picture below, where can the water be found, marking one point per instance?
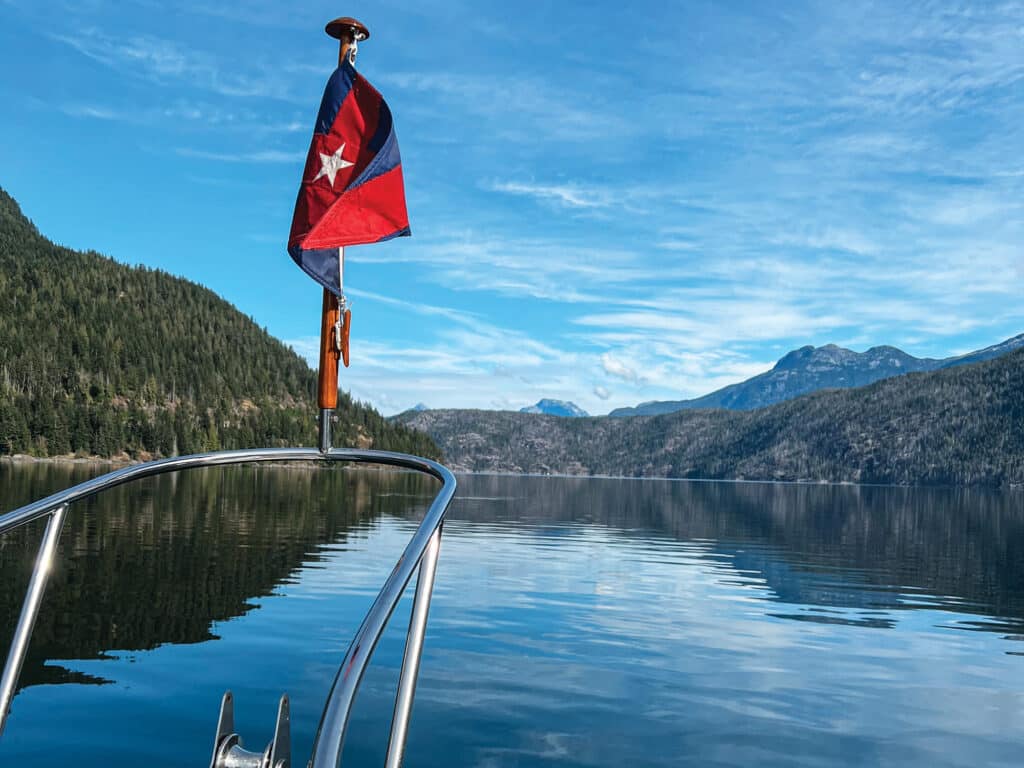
(576, 622)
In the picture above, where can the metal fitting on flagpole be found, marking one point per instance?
(350, 32)
(326, 417)
(342, 301)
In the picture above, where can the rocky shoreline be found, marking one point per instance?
(121, 460)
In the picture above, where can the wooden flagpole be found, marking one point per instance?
(327, 386)
(348, 32)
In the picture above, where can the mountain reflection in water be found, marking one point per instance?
(160, 561)
(576, 621)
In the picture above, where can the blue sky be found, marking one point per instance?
(610, 203)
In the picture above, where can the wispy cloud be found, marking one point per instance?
(165, 61)
(610, 226)
(613, 366)
(555, 269)
(262, 13)
(567, 195)
(93, 111)
(195, 114)
(473, 361)
(519, 107)
(467, 358)
(828, 239)
(261, 156)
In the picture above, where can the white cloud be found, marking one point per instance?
(876, 145)
(678, 245)
(567, 195)
(469, 362)
(195, 114)
(165, 61)
(829, 239)
(519, 107)
(93, 111)
(970, 209)
(420, 308)
(613, 366)
(720, 323)
(265, 13)
(556, 269)
(259, 156)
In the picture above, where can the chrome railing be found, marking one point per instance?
(421, 551)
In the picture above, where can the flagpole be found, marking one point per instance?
(348, 32)
(328, 379)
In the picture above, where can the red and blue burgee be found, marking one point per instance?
(352, 191)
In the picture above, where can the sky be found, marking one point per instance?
(610, 203)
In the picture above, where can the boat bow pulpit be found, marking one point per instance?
(420, 554)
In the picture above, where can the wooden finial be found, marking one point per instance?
(349, 32)
(346, 26)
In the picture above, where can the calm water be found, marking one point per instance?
(576, 622)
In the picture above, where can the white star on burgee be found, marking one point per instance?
(332, 164)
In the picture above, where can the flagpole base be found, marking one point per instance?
(326, 416)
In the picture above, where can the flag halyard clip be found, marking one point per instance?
(339, 324)
(337, 334)
(342, 329)
(342, 325)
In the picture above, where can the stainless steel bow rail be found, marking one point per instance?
(422, 551)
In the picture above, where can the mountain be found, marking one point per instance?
(98, 358)
(420, 407)
(810, 369)
(988, 353)
(961, 425)
(555, 408)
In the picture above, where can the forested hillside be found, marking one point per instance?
(98, 358)
(957, 426)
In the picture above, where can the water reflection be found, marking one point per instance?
(162, 560)
(577, 622)
(842, 546)
(605, 623)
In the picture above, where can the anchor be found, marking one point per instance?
(227, 746)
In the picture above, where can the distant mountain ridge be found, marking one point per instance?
(960, 425)
(556, 408)
(809, 369)
(988, 353)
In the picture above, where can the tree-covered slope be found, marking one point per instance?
(957, 426)
(100, 358)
